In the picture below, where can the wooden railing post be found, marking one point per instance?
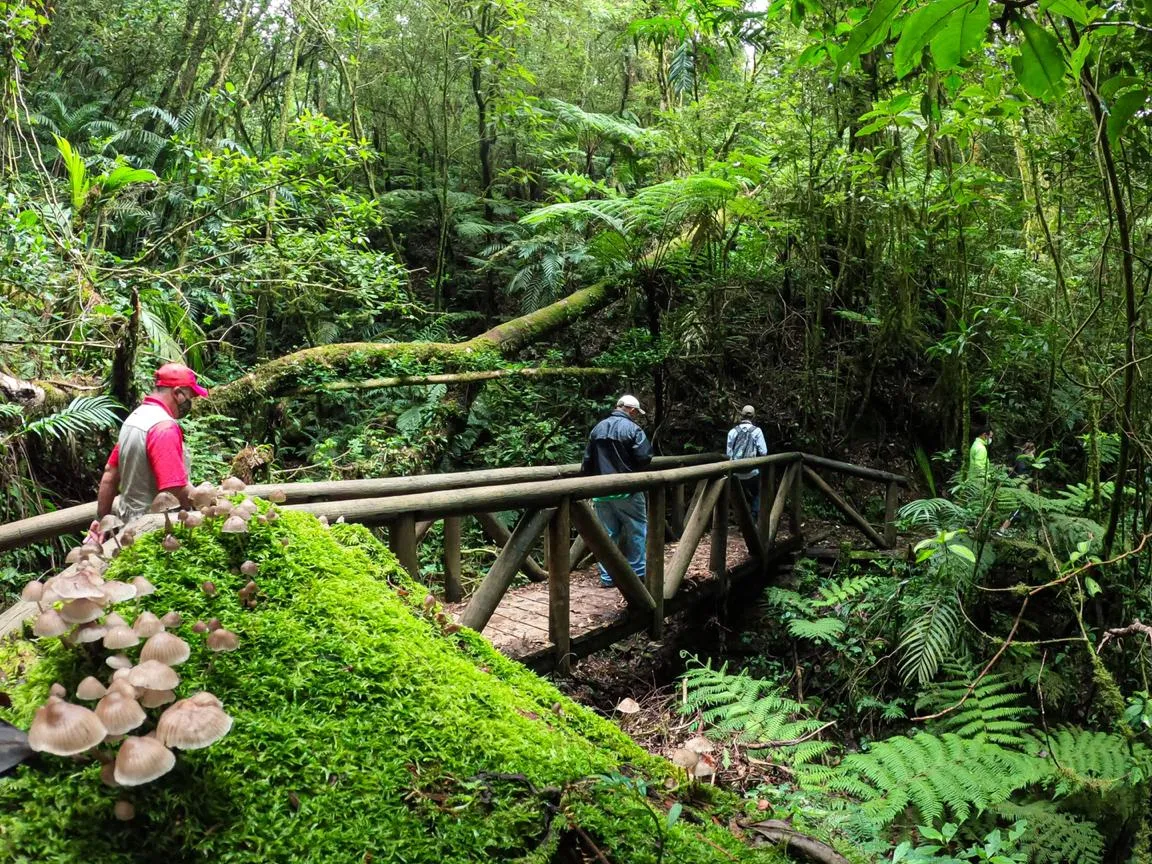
(891, 499)
(767, 495)
(503, 569)
(453, 589)
(778, 505)
(718, 554)
(693, 531)
(559, 594)
(498, 534)
(402, 542)
(796, 512)
(676, 509)
(745, 521)
(654, 557)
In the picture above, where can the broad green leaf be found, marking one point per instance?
(1091, 586)
(962, 552)
(871, 31)
(1080, 54)
(1114, 85)
(919, 28)
(963, 32)
(1121, 111)
(1073, 9)
(1040, 66)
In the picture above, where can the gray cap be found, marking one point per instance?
(747, 411)
(627, 401)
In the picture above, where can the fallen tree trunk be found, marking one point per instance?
(313, 368)
(472, 377)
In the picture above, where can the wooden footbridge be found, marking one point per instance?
(692, 553)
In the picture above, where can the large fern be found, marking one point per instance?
(1053, 836)
(993, 711)
(938, 775)
(82, 415)
(752, 711)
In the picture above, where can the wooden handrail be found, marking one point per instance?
(73, 519)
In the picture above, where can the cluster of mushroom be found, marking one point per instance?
(443, 619)
(76, 606)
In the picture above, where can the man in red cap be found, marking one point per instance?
(149, 456)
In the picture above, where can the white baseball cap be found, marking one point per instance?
(627, 401)
(747, 411)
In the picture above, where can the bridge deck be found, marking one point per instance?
(519, 627)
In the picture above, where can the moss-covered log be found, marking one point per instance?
(362, 732)
(474, 377)
(312, 368)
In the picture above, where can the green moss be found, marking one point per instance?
(361, 731)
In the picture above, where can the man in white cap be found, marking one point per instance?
(745, 441)
(617, 445)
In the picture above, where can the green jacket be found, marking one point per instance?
(978, 461)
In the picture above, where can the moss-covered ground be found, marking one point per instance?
(362, 733)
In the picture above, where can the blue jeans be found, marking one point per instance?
(626, 521)
(751, 486)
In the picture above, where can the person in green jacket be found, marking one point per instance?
(978, 456)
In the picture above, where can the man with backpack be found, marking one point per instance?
(745, 441)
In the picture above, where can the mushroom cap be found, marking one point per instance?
(141, 760)
(111, 522)
(208, 588)
(156, 698)
(143, 587)
(277, 496)
(147, 624)
(78, 585)
(223, 640)
(118, 592)
(250, 568)
(233, 484)
(90, 688)
(153, 675)
(73, 555)
(121, 637)
(234, 525)
(57, 690)
(118, 662)
(168, 649)
(50, 624)
(193, 723)
(200, 627)
(164, 501)
(81, 611)
(223, 506)
(170, 543)
(90, 632)
(120, 685)
(172, 619)
(107, 771)
(124, 811)
(64, 729)
(120, 713)
(195, 519)
(113, 620)
(33, 591)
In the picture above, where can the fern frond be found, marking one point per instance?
(821, 630)
(928, 639)
(991, 712)
(83, 415)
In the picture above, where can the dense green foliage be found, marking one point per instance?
(360, 730)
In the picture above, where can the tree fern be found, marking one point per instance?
(850, 588)
(929, 638)
(820, 629)
(83, 415)
(992, 712)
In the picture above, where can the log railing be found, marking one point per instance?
(555, 504)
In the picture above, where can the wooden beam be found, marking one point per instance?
(559, 593)
(694, 499)
(796, 503)
(690, 539)
(453, 589)
(744, 520)
(402, 542)
(71, 519)
(577, 552)
(654, 559)
(847, 509)
(422, 529)
(778, 504)
(609, 554)
(718, 552)
(856, 470)
(891, 500)
(503, 569)
(499, 535)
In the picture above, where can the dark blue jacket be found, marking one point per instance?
(617, 446)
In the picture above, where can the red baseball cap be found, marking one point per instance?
(178, 375)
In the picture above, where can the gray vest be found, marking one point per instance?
(137, 482)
